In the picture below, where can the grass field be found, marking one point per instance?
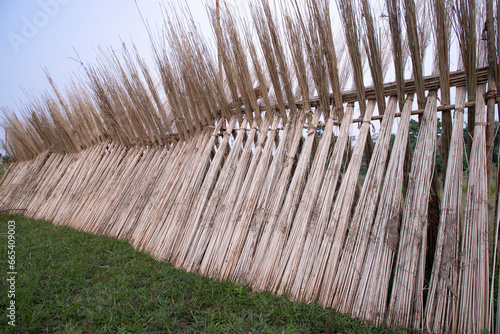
(73, 282)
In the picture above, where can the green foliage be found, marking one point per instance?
(495, 145)
(413, 133)
(393, 138)
(73, 282)
(320, 130)
(414, 129)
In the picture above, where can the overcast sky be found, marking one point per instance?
(36, 33)
(50, 33)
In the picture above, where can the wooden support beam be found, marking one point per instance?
(448, 107)
(457, 78)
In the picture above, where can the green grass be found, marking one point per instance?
(73, 282)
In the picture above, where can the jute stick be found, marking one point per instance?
(441, 310)
(325, 269)
(406, 305)
(260, 219)
(303, 285)
(241, 252)
(290, 257)
(285, 220)
(371, 296)
(474, 261)
(200, 237)
(261, 263)
(353, 254)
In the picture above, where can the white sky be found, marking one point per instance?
(36, 33)
(46, 33)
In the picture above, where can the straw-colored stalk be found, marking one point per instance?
(259, 226)
(105, 188)
(81, 181)
(84, 216)
(161, 204)
(350, 25)
(17, 181)
(285, 73)
(442, 37)
(284, 221)
(192, 195)
(474, 263)
(45, 208)
(227, 220)
(113, 207)
(262, 262)
(415, 50)
(441, 311)
(260, 24)
(303, 284)
(465, 11)
(320, 12)
(237, 257)
(406, 305)
(149, 219)
(353, 253)
(290, 257)
(154, 237)
(374, 54)
(237, 228)
(373, 288)
(325, 267)
(187, 242)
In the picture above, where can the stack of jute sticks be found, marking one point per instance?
(244, 165)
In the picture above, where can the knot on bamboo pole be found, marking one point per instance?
(491, 94)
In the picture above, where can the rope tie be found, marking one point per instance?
(490, 95)
(480, 124)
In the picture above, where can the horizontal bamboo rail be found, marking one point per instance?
(457, 78)
(431, 83)
(447, 107)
